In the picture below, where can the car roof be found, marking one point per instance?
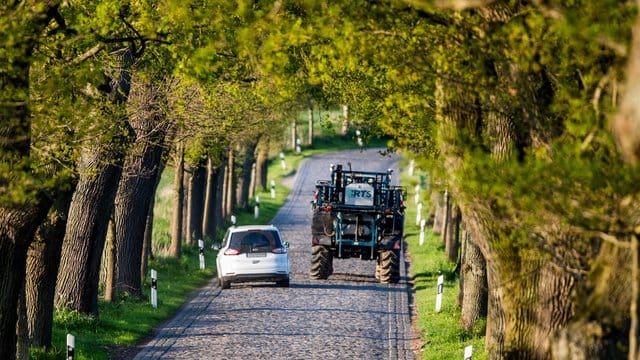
(252, 227)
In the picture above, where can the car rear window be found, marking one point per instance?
(255, 241)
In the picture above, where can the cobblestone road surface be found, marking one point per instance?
(348, 316)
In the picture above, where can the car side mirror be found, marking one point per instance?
(285, 244)
(215, 246)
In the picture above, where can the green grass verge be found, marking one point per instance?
(440, 332)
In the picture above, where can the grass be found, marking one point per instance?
(441, 335)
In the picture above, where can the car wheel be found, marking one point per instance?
(224, 284)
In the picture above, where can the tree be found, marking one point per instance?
(148, 117)
(23, 204)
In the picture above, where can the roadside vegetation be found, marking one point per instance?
(441, 335)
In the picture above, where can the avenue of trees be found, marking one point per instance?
(524, 113)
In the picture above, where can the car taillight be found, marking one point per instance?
(279, 250)
(232, 251)
(396, 246)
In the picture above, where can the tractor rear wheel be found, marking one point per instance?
(389, 266)
(321, 262)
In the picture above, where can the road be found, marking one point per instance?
(348, 316)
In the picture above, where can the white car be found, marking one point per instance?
(251, 253)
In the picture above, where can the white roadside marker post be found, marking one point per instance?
(201, 253)
(416, 196)
(439, 295)
(233, 220)
(273, 189)
(298, 149)
(412, 164)
(256, 209)
(418, 213)
(154, 289)
(71, 347)
(423, 223)
(468, 352)
(282, 163)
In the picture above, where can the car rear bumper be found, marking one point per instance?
(238, 278)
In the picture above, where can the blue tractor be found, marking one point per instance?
(357, 214)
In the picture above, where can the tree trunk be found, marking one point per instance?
(209, 220)
(474, 272)
(137, 188)
(262, 164)
(229, 185)
(79, 274)
(147, 244)
(42, 271)
(453, 233)
(195, 207)
(109, 261)
(344, 129)
(100, 169)
(294, 135)
(446, 217)
(219, 213)
(310, 137)
(438, 212)
(252, 183)
(244, 180)
(175, 249)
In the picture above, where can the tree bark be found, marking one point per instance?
(474, 272)
(42, 271)
(438, 212)
(175, 249)
(294, 135)
(310, 135)
(147, 245)
(148, 103)
(229, 184)
(100, 169)
(109, 261)
(209, 220)
(219, 212)
(446, 217)
(195, 206)
(262, 163)
(252, 182)
(344, 129)
(244, 180)
(452, 244)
